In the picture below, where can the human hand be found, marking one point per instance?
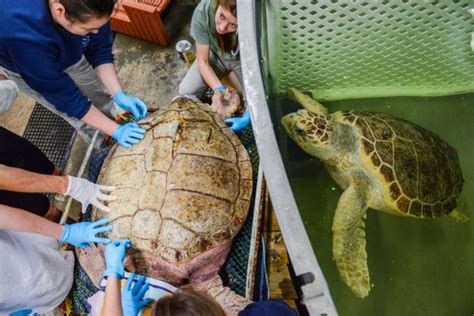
(87, 193)
(128, 135)
(132, 104)
(83, 233)
(218, 104)
(238, 123)
(114, 255)
(132, 298)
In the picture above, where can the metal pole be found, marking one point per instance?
(79, 175)
(315, 291)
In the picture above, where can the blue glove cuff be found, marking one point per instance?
(117, 272)
(66, 232)
(219, 88)
(116, 133)
(118, 95)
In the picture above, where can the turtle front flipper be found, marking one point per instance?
(349, 240)
(307, 102)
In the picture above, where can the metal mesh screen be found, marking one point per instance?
(51, 134)
(355, 49)
(233, 273)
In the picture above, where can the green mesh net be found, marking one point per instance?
(358, 49)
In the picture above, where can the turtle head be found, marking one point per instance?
(309, 127)
(311, 131)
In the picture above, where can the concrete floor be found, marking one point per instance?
(16, 118)
(145, 70)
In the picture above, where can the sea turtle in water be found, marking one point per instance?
(183, 194)
(382, 162)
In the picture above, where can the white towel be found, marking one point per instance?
(34, 273)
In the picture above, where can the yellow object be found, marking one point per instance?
(185, 48)
(189, 56)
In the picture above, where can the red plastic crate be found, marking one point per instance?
(141, 19)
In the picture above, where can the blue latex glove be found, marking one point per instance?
(128, 135)
(81, 234)
(220, 88)
(114, 255)
(132, 104)
(23, 312)
(132, 297)
(238, 123)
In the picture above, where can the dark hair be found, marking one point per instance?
(228, 41)
(84, 10)
(187, 302)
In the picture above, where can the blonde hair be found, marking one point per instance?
(187, 302)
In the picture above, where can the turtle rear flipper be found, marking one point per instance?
(231, 302)
(93, 263)
(349, 240)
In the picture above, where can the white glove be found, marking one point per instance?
(87, 193)
(8, 92)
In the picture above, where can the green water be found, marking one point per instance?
(422, 267)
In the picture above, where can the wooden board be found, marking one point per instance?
(279, 277)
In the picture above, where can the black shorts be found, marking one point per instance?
(15, 151)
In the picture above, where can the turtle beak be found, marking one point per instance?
(293, 130)
(288, 120)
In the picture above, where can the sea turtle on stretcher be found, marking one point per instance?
(183, 194)
(382, 162)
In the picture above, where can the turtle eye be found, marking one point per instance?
(300, 131)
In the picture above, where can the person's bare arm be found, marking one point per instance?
(97, 119)
(108, 75)
(22, 221)
(19, 180)
(205, 69)
(112, 300)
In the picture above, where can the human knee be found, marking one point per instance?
(182, 89)
(187, 89)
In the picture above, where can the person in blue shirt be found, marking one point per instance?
(60, 53)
